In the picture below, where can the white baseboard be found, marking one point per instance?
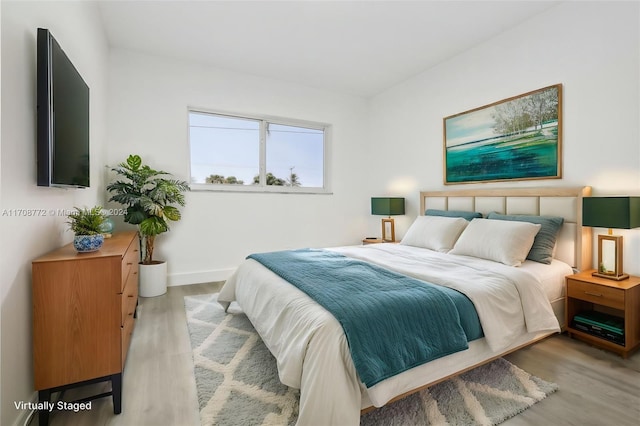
(199, 277)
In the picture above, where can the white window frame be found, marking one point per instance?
(263, 187)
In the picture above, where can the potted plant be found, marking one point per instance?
(151, 198)
(86, 224)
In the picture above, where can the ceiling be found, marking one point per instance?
(355, 47)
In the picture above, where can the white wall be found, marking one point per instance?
(148, 100)
(77, 27)
(592, 48)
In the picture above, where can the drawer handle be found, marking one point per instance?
(593, 294)
(130, 314)
(129, 295)
(129, 263)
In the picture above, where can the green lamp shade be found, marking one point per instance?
(611, 212)
(387, 206)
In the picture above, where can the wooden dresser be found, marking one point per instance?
(84, 306)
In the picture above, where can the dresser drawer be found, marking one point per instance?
(129, 296)
(130, 261)
(599, 294)
(127, 331)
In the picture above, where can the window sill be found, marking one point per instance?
(203, 187)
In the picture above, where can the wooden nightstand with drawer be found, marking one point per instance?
(618, 299)
(366, 241)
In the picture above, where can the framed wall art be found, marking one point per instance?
(518, 138)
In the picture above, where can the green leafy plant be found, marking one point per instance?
(150, 197)
(86, 221)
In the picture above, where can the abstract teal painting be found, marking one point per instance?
(514, 139)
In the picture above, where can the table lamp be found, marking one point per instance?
(387, 206)
(611, 212)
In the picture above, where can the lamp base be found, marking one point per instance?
(611, 277)
(388, 230)
(610, 258)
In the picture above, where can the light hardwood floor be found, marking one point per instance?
(596, 387)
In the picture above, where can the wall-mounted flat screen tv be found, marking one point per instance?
(63, 117)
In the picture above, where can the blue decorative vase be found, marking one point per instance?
(88, 243)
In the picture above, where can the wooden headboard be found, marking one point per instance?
(574, 241)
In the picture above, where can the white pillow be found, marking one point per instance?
(437, 233)
(502, 241)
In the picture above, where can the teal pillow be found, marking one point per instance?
(545, 240)
(453, 213)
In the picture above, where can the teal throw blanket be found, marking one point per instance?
(392, 322)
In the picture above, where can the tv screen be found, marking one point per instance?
(63, 117)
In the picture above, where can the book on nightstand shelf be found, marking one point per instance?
(599, 324)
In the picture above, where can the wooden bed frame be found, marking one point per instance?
(561, 201)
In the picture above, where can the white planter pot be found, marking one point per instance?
(153, 279)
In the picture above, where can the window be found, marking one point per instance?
(230, 152)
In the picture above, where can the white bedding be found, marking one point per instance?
(551, 277)
(312, 352)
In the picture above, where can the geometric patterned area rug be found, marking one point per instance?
(237, 381)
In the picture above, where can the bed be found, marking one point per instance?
(516, 306)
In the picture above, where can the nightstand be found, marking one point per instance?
(620, 299)
(372, 241)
